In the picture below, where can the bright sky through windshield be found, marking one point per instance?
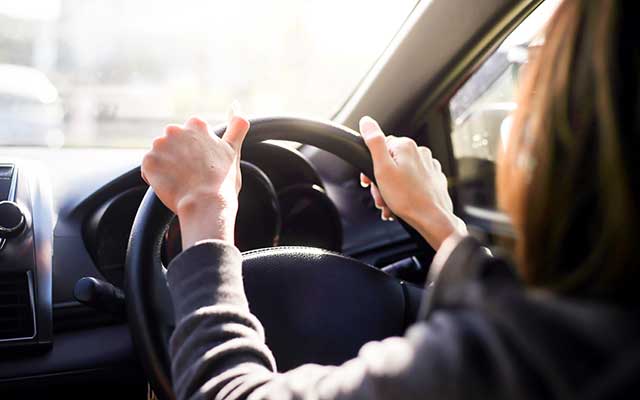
(124, 68)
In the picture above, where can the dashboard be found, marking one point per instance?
(282, 202)
(78, 207)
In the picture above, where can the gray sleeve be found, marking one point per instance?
(218, 350)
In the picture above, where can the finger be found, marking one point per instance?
(375, 141)
(196, 124)
(144, 177)
(437, 165)
(364, 181)
(425, 152)
(377, 198)
(425, 155)
(159, 142)
(173, 129)
(386, 214)
(236, 132)
(237, 128)
(149, 162)
(403, 145)
(404, 151)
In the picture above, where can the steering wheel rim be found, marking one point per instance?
(149, 309)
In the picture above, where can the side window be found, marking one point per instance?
(481, 110)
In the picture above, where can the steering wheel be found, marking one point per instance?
(294, 291)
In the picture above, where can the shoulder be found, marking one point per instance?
(520, 339)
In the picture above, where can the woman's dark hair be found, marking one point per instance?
(569, 177)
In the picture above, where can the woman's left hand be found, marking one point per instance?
(197, 176)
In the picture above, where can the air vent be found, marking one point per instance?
(17, 317)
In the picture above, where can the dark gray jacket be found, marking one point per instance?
(482, 336)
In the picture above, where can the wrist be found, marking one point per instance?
(206, 217)
(435, 227)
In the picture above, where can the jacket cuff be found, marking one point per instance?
(208, 273)
(460, 262)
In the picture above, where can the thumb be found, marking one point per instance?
(375, 141)
(237, 128)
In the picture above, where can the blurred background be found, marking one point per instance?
(113, 73)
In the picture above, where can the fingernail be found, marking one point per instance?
(364, 185)
(391, 219)
(234, 110)
(368, 125)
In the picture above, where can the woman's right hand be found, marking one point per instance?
(410, 184)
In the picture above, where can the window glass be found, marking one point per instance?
(113, 73)
(481, 111)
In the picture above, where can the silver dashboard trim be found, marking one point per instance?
(43, 221)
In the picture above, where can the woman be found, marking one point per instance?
(567, 179)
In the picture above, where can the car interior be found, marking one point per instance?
(84, 309)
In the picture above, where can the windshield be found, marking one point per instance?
(113, 73)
